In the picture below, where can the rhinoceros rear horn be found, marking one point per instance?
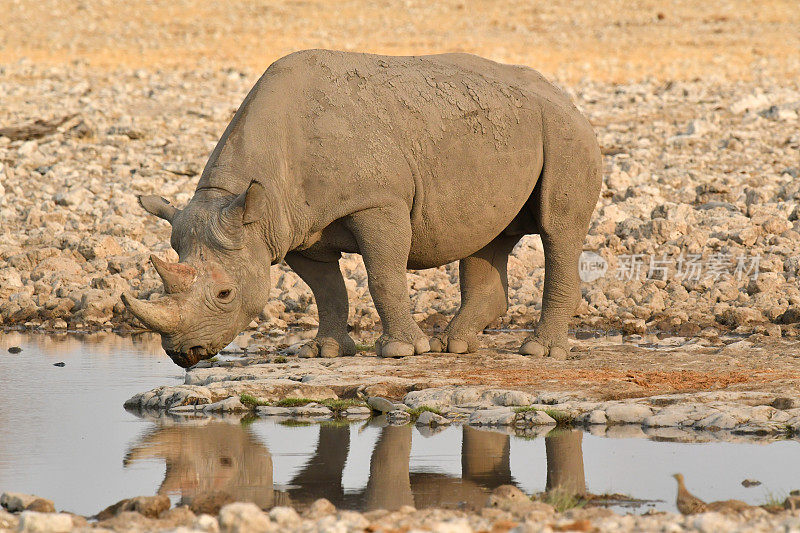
(177, 277)
(158, 206)
(161, 315)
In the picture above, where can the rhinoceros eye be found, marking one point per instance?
(223, 294)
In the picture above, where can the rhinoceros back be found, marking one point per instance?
(457, 137)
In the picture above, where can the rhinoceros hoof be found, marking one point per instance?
(535, 348)
(444, 344)
(387, 347)
(327, 347)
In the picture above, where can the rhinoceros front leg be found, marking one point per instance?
(484, 296)
(383, 235)
(327, 284)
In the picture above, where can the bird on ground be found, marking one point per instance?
(688, 503)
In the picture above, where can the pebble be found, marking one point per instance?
(382, 405)
(40, 505)
(712, 523)
(398, 417)
(596, 416)
(492, 417)
(285, 516)
(244, 518)
(427, 418)
(15, 502)
(209, 503)
(534, 417)
(630, 413)
(357, 412)
(319, 508)
(206, 523)
(8, 520)
(33, 522)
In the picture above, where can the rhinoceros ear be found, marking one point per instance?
(255, 203)
(156, 205)
(250, 206)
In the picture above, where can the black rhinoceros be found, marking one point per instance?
(412, 162)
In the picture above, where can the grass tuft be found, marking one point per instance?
(297, 423)
(562, 418)
(280, 359)
(421, 409)
(252, 401)
(292, 402)
(340, 405)
(247, 420)
(774, 499)
(562, 500)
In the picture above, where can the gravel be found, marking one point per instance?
(507, 509)
(701, 178)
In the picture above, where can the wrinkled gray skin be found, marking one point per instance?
(413, 162)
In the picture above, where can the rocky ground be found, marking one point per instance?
(697, 230)
(698, 222)
(506, 510)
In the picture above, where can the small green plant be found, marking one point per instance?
(252, 401)
(364, 347)
(562, 499)
(340, 405)
(562, 418)
(279, 359)
(415, 412)
(247, 420)
(774, 499)
(292, 402)
(296, 423)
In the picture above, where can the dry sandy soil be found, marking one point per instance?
(617, 41)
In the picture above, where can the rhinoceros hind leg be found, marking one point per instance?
(327, 284)
(383, 235)
(484, 296)
(559, 298)
(564, 200)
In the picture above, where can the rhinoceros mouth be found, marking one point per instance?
(188, 359)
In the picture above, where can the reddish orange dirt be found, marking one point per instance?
(607, 369)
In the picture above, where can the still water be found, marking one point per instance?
(65, 436)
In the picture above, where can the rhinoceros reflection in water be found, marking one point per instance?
(223, 457)
(216, 457)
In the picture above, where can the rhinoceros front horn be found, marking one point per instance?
(177, 277)
(162, 315)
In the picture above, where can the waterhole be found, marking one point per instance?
(65, 436)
